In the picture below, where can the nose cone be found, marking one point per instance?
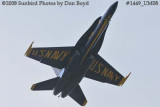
(111, 9)
(115, 4)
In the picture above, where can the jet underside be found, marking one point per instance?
(74, 63)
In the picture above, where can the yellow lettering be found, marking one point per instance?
(42, 53)
(56, 55)
(48, 54)
(64, 55)
(117, 77)
(99, 68)
(35, 52)
(110, 75)
(105, 71)
(93, 67)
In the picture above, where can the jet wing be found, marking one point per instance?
(52, 56)
(78, 96)
(102, 71)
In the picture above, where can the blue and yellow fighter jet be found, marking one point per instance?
(72, 64)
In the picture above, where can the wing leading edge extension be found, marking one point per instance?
(102, 71)
(52, 56)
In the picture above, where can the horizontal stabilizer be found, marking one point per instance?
(45, 85)
(78, 96)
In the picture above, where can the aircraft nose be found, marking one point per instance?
(115, 4)
(112, 9)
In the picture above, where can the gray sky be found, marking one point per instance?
(131, 45)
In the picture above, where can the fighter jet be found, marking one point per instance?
(72, 64)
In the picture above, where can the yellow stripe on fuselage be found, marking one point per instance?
(100, 31)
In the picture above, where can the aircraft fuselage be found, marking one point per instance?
(82, 57)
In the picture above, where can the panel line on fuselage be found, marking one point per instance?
(100, 31)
